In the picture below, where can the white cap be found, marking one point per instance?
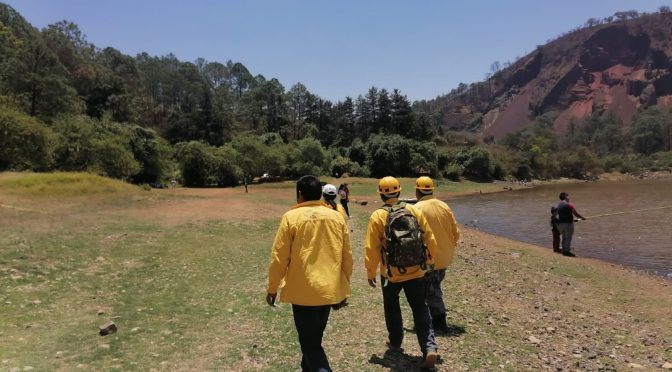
(329, 189)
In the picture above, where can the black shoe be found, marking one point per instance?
(568, 254)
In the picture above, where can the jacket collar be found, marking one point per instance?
(311, 203)
(426, 197)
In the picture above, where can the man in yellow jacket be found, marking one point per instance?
(312, 254)
(442, 221)
(394, 280)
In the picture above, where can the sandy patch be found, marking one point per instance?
(181, 206)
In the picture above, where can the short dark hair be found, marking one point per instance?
(563, 195)
(310, 187)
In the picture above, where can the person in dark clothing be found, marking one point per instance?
(344, 194)
(566, 214)
(554, 230)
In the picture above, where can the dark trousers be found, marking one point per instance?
(310, 322)
(344, 203)
(435, 303)
(556, 239)
(415, 295)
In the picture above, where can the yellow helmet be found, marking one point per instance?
(424, 183)
(388, 185)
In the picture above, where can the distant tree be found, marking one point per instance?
(664, 9)
(152, 152)
(306, 156)
(75, 150)
(196, 161)
(241, 78)
(592, 22)
(25, 143)
(648, 131)
(401, 116)
(113, 152)
(495, 67)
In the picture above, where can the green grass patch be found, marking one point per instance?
(62, 184)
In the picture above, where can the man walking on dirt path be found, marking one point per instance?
(384, 253)
(442, 222)
(566, 214)
(312, 253)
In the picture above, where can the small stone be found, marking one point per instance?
(15, 369)
(104, 346)
(635, 366)
(667, 365)
(534, 340)
(59, 354)
(100, 312)
(107, 328)
(550, 329)
(135, 329)
(36, 302)
(28, 368)
(80, 366)
(5, 361)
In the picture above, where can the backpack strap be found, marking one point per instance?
(383, 255)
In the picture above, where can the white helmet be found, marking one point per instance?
(329, 189)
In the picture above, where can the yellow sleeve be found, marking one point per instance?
(372, 246)
(280, 256)
(453, 225)
(346, 260)
(428, 237)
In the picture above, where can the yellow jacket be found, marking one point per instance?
(443, 224)
(375, 238)
(339, 208)
(312, 254)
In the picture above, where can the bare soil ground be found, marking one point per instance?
(183, 274)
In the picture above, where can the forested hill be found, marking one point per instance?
(67, 104)
(57, 70)
(617, 65)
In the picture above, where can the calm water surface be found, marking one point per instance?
(641, 240)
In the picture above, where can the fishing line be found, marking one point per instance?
(635, 211)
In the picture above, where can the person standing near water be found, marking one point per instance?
(566, 214)
(554, 230)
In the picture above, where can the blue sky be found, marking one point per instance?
(336, 48)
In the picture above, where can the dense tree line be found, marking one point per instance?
(66, 104)
(594, 145)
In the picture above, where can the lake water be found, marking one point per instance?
(641, 239)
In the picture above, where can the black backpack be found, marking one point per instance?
(403, 246)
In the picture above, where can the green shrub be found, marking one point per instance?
(25, 142)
